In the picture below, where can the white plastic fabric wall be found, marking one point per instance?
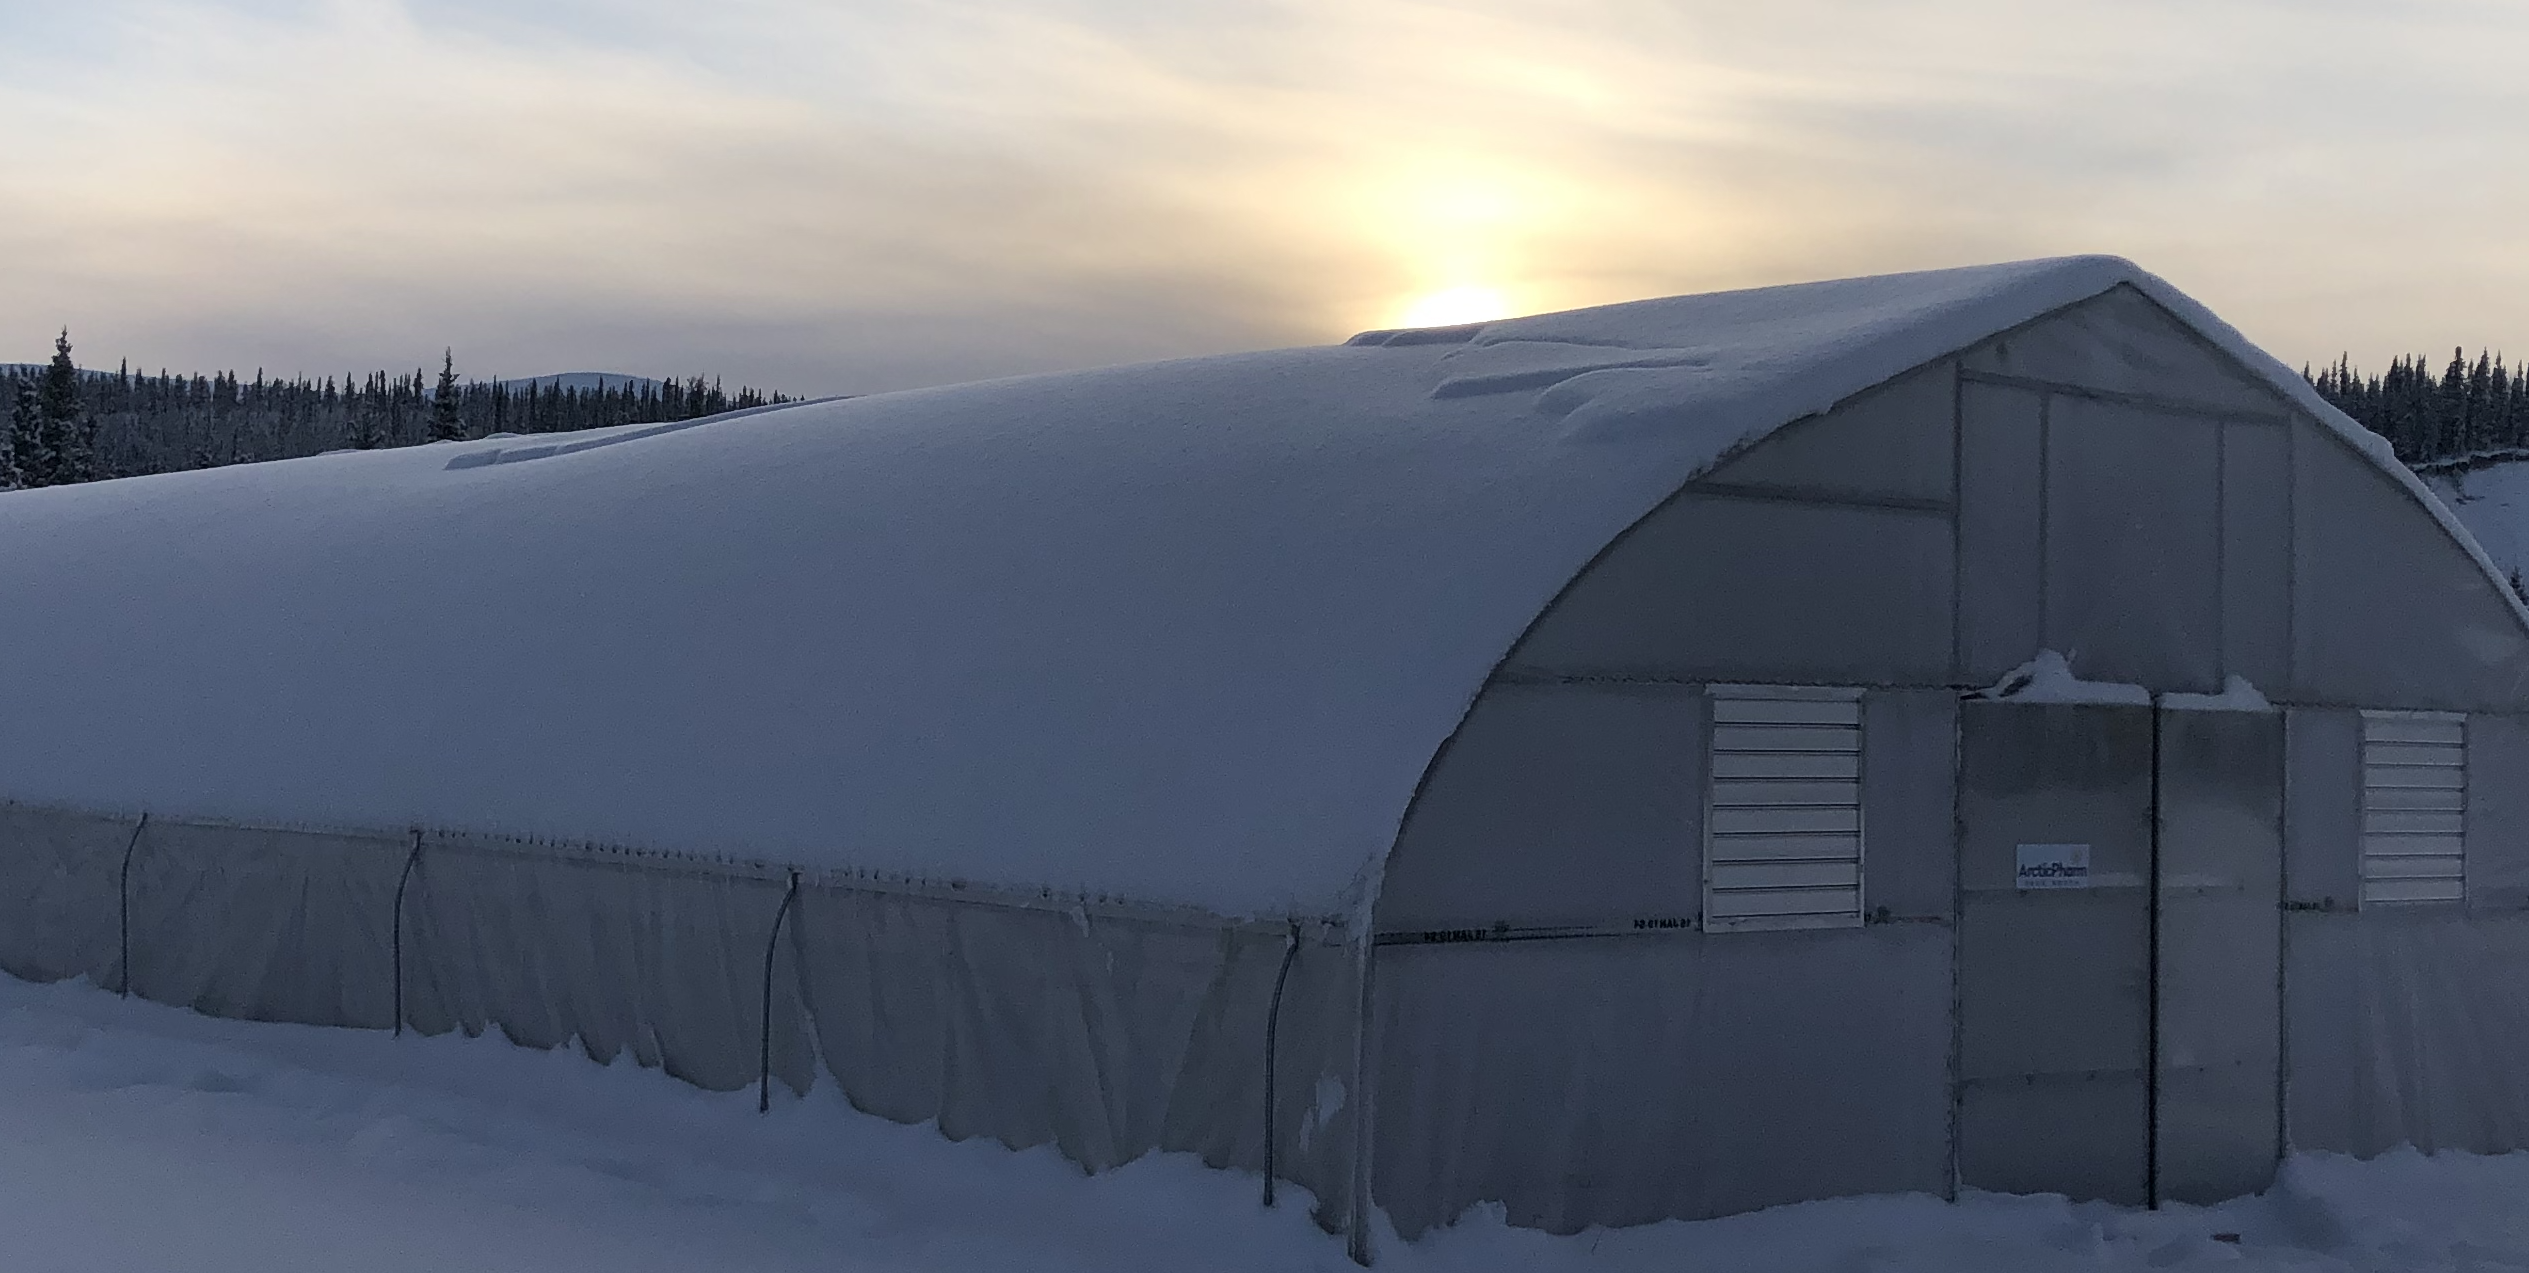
(2102, 483)
(1714, 1071)
(1621, 1081)
(1558, 805)
(2408, 1025)
(1107, 1033)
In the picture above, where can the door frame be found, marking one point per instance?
(2190, 824)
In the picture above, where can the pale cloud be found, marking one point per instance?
(846, 196)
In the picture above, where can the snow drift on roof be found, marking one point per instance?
(1186, 632)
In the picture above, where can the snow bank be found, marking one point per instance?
(1185, 633)
(139, 1137)
(136, 1136)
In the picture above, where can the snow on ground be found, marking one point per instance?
(140, 1137)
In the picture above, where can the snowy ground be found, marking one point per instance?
(138, 1137)
(2493, 503)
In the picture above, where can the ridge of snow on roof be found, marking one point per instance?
(1185, 633)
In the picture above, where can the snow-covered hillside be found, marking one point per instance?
(2493, 502)
(135, 1136)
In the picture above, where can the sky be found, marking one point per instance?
(824, 196)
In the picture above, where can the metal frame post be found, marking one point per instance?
(2151, 979)
(123, 908)
(772, 946)
(1273, 1036)
(396, 926)
(1364, 1117)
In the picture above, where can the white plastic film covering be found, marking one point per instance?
(2498, 812)
(2133, 543)
(2414, 807)
(1999, 541)
(1759, 589)
(1610, 1081)
(1910, 799)
(258, 924)
(2257, 553)
(266, 925)
(1783, 843)
(1894, 443)
(614, 952)
(59, 892)
(2408, 1026)
(2322, 842)
(1557, 805)
(1108, 1035)
(2389, 609)
(2122, 342)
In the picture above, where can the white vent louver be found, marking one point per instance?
(2414, 807)
(1783, 831)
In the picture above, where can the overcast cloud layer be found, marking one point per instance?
(827, 197)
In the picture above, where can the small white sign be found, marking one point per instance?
(2054, 866)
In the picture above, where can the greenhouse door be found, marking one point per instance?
(2219, 1094)
(2118, 1015)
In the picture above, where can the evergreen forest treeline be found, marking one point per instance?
(64, 425)
(2473, 412)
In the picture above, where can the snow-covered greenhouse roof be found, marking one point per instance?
(1186, 632)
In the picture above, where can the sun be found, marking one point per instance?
(1451, 306)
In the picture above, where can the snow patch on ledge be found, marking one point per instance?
(2049, 678)
(2237, 696)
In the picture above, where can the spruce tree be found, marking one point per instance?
(445, 424)
(19, 430)
(62, 420)
(362, 430)
(2480, 401)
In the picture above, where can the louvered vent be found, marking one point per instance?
(2414, 807)
(1783, 837)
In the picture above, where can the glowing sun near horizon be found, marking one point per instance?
(1451, 306)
